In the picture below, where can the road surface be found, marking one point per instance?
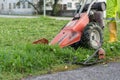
(109, 71)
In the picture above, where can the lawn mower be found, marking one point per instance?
(85, 29)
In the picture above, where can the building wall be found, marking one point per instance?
(49, 4)
(70, 4)
(10, 7)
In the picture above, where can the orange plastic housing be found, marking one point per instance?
(72, 32)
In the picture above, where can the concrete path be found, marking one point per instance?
(110, 71)
(60, 18)
(17, 16)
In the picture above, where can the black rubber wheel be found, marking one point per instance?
(92, 36)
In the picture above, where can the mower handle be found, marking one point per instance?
(83, 5)
(90, 6)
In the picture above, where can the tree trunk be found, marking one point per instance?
(34, 7)
(54, 7)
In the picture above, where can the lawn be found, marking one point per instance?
(20, 58)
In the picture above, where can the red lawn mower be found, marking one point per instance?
(85, 29)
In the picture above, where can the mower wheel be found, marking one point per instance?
(92, 36)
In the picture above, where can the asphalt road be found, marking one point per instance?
(109, 71)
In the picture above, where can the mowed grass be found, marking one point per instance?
(18, 56)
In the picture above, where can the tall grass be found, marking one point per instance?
(17, 53)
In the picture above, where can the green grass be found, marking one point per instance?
(112, 49)
(20, 58)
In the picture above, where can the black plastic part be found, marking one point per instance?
(99, 6)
